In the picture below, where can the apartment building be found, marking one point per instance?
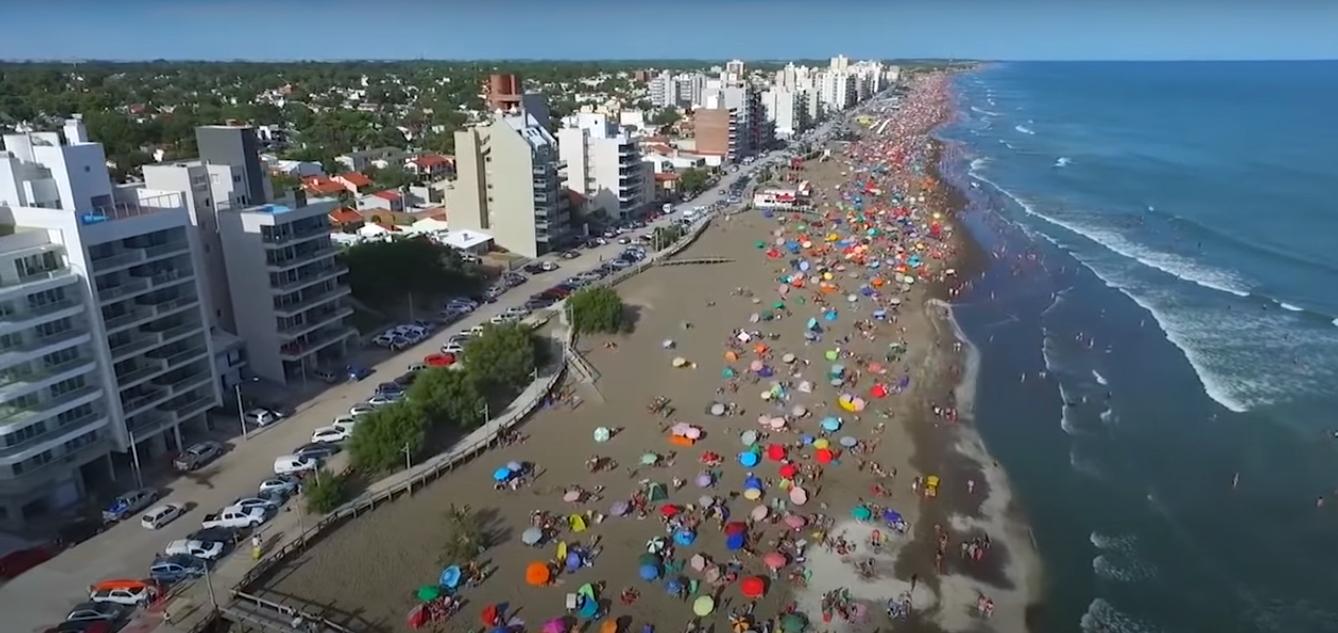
(604, 164)
(104, 344)
(716, 132)
(663, 89)
(289, 295)
(509, 184)
(839, 90)
(786, 110)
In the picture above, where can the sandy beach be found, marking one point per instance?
(868, 397)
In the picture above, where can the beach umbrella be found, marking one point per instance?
(673, 585)
(555, 625)
(537, 574)
(766, 372)
(515, 467)
(831, 354)
(602, 434)
(799, 410)
(788, 471)
(501, 474)
(428, 593)
(712, 573)
(788, 358)
(450, 577)
(649, 458)
(861, 513)
(736, 527)
(679, 361)
(649, 572)
(753, 587)
(685, 537)
(756, 365)
(775, 452)
(793, 623)
(670, 510)
(734, 542)
(703, 605)
(892, 516)
(795, 521)
(748, 459)
(572, 495)
(574, 560)
(667, 343)
(777, 423)
(752, 494)
(727, 372)
(821, 443)
(748, 438)
(655, 491)
(532, 536)
(490, 615)
(706, 501)
(692, 432)
(704, 480)
(878, 391)
(697, 562)
(759, 513)
(774, 560)
(619, 508)
(831, 423)
(805, 387)
(848, 442)
(798, 496)
(717, 409)
(766, 395)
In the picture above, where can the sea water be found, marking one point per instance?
(1163, 268)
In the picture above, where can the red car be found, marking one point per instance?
(19, 561)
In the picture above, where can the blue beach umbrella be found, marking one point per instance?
(649, 572)
(685, 537)
(589, 609)
(748, 459)
(574, 560)
(501, 474)
(752, 482)
(734, 542)
(831, 424)
(673, 585)
(450, 577)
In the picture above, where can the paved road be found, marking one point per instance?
(43, 595)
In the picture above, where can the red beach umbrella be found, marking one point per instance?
(670, 510)
(825, 456)
(775, 452)
(736, 527)
(788, 471)
(753, 587)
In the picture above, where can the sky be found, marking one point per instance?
(679, 29)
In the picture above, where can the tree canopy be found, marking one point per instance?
(595, 310)
(381, 438)
(447, 397)
(501, 358)
(666, 116)
(324, 492)
(693, 180)
(385, 272)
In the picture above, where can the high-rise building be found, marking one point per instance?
(288, 294)
(733, 74)
(787, 110)
(104, 341)
(690, 88)
(509, 185)
(503, 91)
(236, 146)
(839, 90)
(663, 89)
(716, 132)
(604, 164)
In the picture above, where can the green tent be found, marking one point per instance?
(655, 491)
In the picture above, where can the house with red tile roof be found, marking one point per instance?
(388, 199)
(345, 219)
(354, 181)
(430, 165)
(322, 187)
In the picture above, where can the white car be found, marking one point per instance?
(206, 550)
(501, 319)
(292, 465)
(247, 503)
(518, 312)
(261, 417)
(452, 348)
(141, 594)
(383, 399)
(329, 435)
(161, 515)
(477, 330)
(277, 485)
(359, 410)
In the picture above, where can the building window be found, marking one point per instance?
(60, 357)
(12, 339)
(25, 434)
(66, 386)
(52, 328)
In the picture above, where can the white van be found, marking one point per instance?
(292, 465)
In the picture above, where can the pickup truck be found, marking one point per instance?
(234, 517)
(128, 504)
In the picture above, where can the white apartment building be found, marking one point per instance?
(663, 89)
(509, 185)
(104, 344)
(289, 301)
(734, 72)
(838, 89)
(691, 87)
(605, 165)
(787, 110)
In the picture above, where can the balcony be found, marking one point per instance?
(185, 384)
(31, 316)
(316, 341)
(144, 368)
(177, 359)
(74, 427)
(134, 345)
(163, 277)
(312, 299)
(295, 234)
(147, 395)
(122, 290)
(131, 255)
(312, 322)
(308, 278)
(35, 281)
(187, 407)
(38, 476)
(42, 345)
(165, 307)
(14, 381)
(305, 257)
(17, 415)
(130, 317)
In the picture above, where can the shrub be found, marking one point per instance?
(595, 310)
(324, 492)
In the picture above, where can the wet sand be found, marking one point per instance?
(364, 573)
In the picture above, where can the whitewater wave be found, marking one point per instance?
(1025, 130)
(1288, 306)
(1062, 161)
(1103, 617)
(1121, 569)
(984, 111)
(1115, 542)
(1100, 380)
(1108, 417)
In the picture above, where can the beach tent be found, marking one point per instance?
(655, 491)
(577, 523)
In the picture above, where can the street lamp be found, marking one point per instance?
(241, 410)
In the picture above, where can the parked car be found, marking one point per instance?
(359, 410)
(161, 515)
(329, 376)
(389, 387)
(108, 611)
(538, 303)
(264, 503)
(294, 464)
(126, 505)
(383, 399)
(283, 485)
(174, 569)
(329, 435)
(570, 254)
(262, 417)
(405, 380)
(207, 550)
(534, 268)
(315, 452)
(78, 531)
(85, 626)
(197, 456)
(452, 348)
(356, 373)
(234, 517)
(501, 319)
(128, 592)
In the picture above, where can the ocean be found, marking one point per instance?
(1158, 327)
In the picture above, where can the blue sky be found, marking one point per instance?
(708, 29)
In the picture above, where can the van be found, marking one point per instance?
(292, 464)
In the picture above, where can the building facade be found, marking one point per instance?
(604, 164)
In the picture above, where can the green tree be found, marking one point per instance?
(693, 180)
(324, 492)
(666, 116)
(386, 272)
(447, 397)
(382, 437)
(393, 176)
(596, 310)
(466, 535)
(665, 236)
(501, 358)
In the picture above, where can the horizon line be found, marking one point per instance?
(570, 60)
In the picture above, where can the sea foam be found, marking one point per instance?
(1025, 130)
(1062, 161)
(1103, 617)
